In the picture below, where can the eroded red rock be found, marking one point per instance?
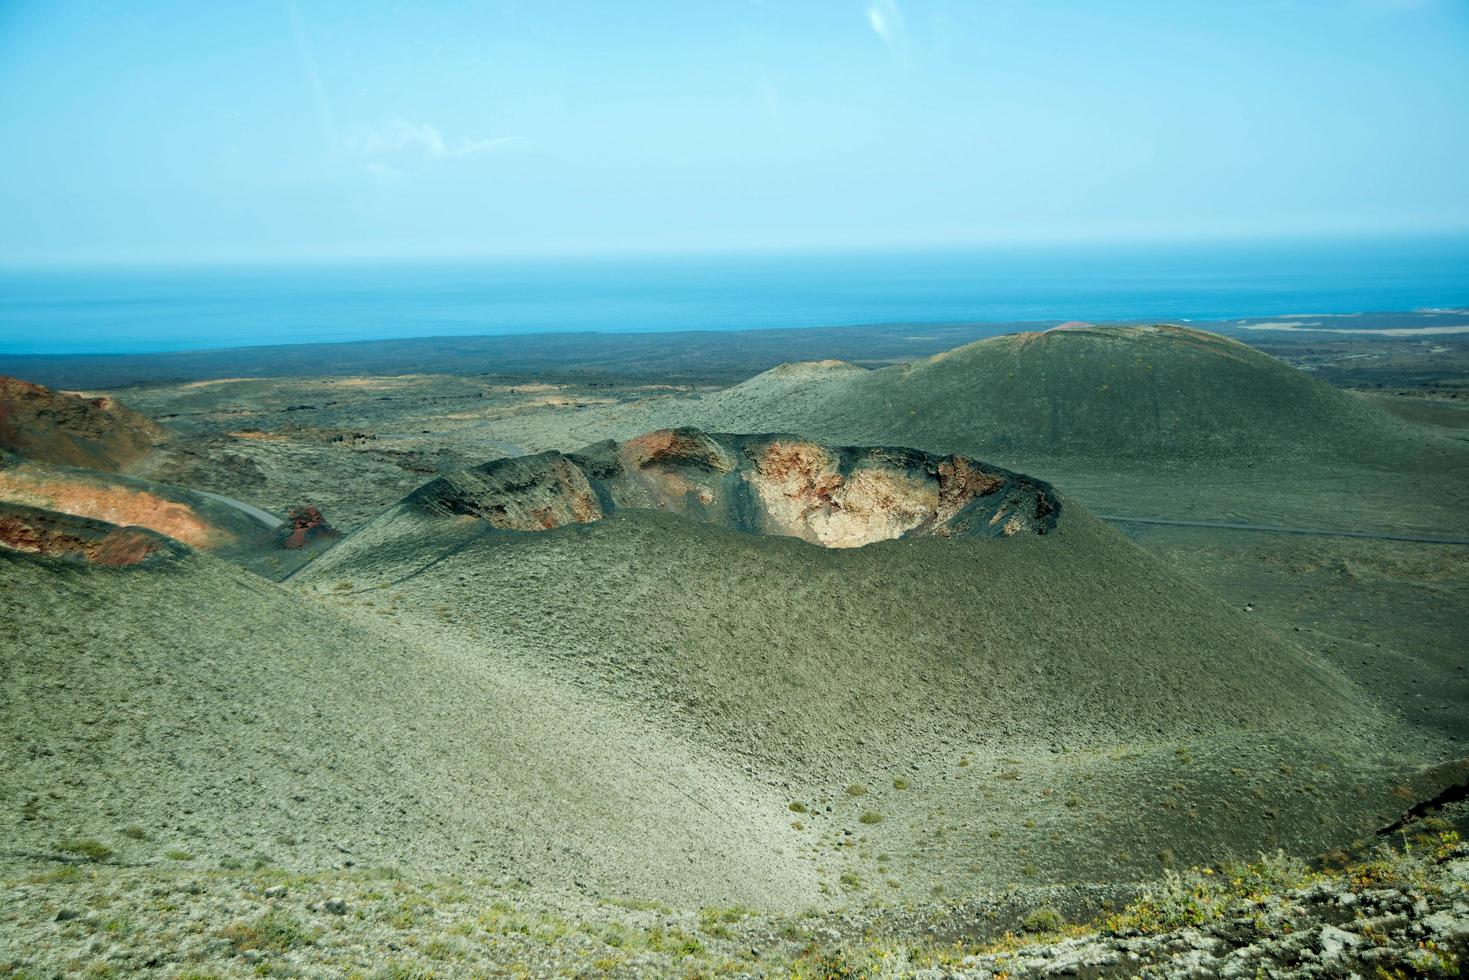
(687, 448)
(838, 497)
(304, 525)
(101, 498)
(34, 531)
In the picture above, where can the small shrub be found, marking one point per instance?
(673, 940)
(1271, 875)
(135, 833)
(178, 855)
(275, 930)
(1043, 919)
(1173, 904)
(870, 817)
(92, 850)
(856, 789)
(818, 963)
(900, 783)
(797, 807)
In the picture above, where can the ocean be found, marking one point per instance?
(134, 310)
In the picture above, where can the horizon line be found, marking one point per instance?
(1192, 323)
(14, 264)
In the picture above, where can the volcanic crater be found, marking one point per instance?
(836, 497)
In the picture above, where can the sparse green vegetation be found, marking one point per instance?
(85, 847)
(716, 921)
(870, 817)
(672, 940)
(1197, 897)
(1043, 919)
(275, 930)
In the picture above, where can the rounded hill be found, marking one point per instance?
(58, 427)
(1156, 393)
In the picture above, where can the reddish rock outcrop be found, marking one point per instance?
(34, 531)
(107, 499)
(57, 427)
(305, 525)
(838, 497)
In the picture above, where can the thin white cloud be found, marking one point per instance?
(397, 147)
(886, 19)
(400, 135)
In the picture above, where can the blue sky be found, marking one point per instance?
(186, 131)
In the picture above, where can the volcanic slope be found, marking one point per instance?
(57, 427)
(80, 456)
(197, 519)
(223, 718)
(1101, 393)
(1159, 420)
(939, 710)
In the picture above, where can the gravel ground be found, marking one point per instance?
(1400, 913)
